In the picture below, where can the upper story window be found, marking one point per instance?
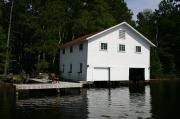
(71, 49)
(122, 48)
(63, 51)
(104, 46)
(80, 47)
(138, 49)
(122, 34)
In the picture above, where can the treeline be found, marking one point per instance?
(40, 26)
(163, 27)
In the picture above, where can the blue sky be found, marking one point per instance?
(138, 5)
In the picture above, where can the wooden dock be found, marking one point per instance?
(57, 85)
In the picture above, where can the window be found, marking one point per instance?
(80, 47)
(63, 51)
(104, 46)
(63, 68)
(138, 49)
(80, 68)
(70, 69)
(121, 34)
(71, 49)
(122, 48)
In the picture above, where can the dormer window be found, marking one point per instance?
(104, 46)
(138, 49)
(122, 34)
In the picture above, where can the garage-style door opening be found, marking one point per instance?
(136, 74)
(101, 74)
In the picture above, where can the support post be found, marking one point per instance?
(109, 76)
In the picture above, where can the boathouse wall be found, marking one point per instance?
(75, 58)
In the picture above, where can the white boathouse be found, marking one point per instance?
(119, 53)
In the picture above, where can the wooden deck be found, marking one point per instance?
(57, 85)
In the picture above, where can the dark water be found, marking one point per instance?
(160, 100)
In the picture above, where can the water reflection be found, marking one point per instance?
(66, 107)
(119, 103)
(114, 105)
(7, 101)
(165, 100)
(159, 100)
(140, 101)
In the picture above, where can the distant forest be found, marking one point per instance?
(39, 27)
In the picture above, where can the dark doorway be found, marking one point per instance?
(136, 74)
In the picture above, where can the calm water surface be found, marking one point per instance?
(160, 100)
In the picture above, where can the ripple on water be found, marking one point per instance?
(94, 104)
(118, 103)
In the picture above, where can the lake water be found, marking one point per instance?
(160, 100)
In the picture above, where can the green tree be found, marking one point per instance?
(169, 32)
(39, 26)
(2, 39)
(162, 28)
(2, 49)
(120, 11)
(94, 17)
(147, 26)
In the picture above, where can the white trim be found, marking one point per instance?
(123, 23)
(101, 67)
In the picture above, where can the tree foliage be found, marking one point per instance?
(162, 26)
(39, 26)
(2, 39)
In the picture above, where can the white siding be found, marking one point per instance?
(74, 58)
(101, 74)
(119, 62)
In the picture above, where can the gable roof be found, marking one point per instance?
(92, 35)
(129, 26)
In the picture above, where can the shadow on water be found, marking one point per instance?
(26, 94)
(66, 107)
(139, 100)
(7, 101)
(137, 88)
(49, 106)
(42, 104)
(165, 99)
